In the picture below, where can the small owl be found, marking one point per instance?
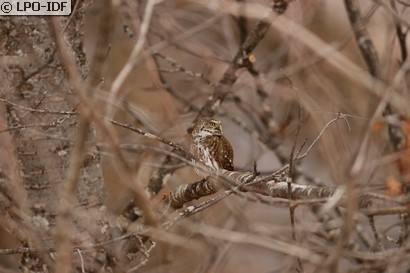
(210, 146)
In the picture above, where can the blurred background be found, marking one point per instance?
(189, 45)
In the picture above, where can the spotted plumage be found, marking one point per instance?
(210, 146)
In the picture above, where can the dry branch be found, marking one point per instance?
(363, 41)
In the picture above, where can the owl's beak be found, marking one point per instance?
(219, 132)
(216, 131)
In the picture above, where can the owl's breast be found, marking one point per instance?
(214, 151)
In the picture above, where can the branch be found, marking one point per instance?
(362, 37)
(188, 192)
(401, 35)
(151, 136)
(136, 51)
(241, 59)
(40, 111)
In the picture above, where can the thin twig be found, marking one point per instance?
(401, 35)
(362, 37)
(339, 116)
(40, 111)
(290, 181)
(149, 135)
(82, 260)
(136, 51)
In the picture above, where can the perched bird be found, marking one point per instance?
(210, 146)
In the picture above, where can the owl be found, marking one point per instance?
(210, 146)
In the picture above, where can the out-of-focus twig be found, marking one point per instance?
(365, 44)
(243, 58)
(136, 51)
(401, 35)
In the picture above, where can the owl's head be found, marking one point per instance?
(207, 126)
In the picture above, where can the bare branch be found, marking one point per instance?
(362, 38)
